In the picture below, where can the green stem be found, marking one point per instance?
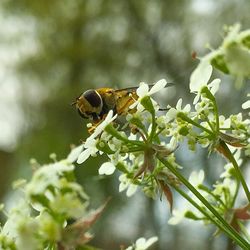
(231, 158)
(221, 223)
(153, 129)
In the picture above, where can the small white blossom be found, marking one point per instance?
(48, 175)
(107, 168)
(144, 90)
(200, 78)
(196, 178)
(90, 149)
(126, 183)
(172, 112)
(224, 123)
(90, 144)
(227, 184)
(74, 154)
(177, 217)
(143, 244)
(246, 105)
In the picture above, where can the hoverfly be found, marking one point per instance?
(94, 104)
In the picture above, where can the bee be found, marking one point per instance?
(94, 104)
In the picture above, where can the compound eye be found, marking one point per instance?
(93, 98)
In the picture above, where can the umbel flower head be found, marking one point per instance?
(134, 151)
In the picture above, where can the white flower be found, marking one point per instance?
(46, 176)
(74, 154)
(143, 244)
(177, 217)
(90, 149)
(90, 144)
(221, 187)
(100, 128)
(127, 184)
(224, 123)
(107, 168)
(196, 178)
(171, 114)
(200, 78)
(246, 105)
(144, 90)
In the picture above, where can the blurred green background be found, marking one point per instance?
(52, 50)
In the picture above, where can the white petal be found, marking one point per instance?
(200, 76)
(196, 99)
(171, 114)
(179, 103)
(158, 86)
(176, 218)
(151, 241)
(107, 168)
(100, 128)
(196, 178)
(140, 243)
(246, 105)
(142, 90)
(84, 155)
(74, 154)
(131, 190)
(187, 108)
(215, 84)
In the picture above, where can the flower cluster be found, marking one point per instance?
(43, 218)
(233, 56)
(143, 149)
(134, 150)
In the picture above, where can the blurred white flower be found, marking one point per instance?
(74, 154)
(224, 123)
(48, 175)
(126, 183)
(246, 104)
(177, 217)
(227, 184)
(143, 244)
(107, 168)
(196, 178)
